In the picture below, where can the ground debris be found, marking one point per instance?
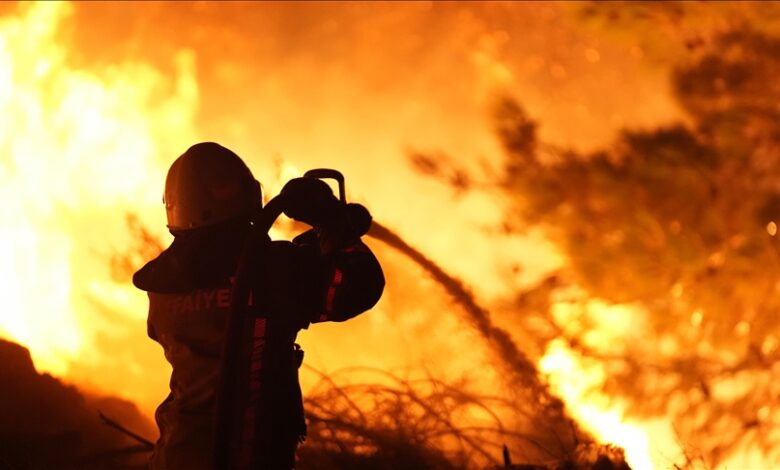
(587, 456)
(47, 424)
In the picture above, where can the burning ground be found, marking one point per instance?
(589, 189)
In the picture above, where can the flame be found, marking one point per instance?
(575, 382)
(81, 146)
(579, 380)
(76, 146)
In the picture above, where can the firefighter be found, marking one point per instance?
(212, 203)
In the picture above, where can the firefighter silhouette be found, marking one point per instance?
(226, 304)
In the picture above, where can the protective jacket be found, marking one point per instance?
(189, 287)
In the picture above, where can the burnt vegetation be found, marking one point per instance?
(396, 423)
(388, 423)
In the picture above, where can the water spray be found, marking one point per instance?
(522, 372)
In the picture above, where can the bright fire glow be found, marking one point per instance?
(82, 146)
(75, 146)
(576, 383)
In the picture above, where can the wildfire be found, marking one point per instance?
(77, 148)
(82, 146)
(578, 380)
(576, 383)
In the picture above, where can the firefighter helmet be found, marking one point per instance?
(206, 185)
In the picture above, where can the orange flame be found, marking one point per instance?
(79, 147)
(76, 146)
(575, 383)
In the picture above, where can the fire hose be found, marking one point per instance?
(520, 370)
(254, 434)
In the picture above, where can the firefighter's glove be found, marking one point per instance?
(359, 219)
(311, 201)
(342, 232)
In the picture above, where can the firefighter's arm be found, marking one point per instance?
(349, 279)
(352, 283)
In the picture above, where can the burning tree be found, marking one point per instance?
(679, 224)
